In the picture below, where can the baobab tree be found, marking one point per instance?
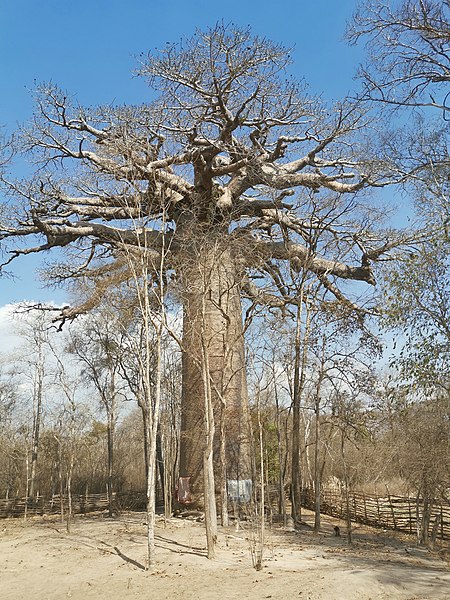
(204, 170)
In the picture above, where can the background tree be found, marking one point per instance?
(417, 308)
(70, 423)
(426, 453)
(410, 444)
(408, 52)
(417, 305)
(8, 403)
(34, 370)
(97, 345)
(407, 71)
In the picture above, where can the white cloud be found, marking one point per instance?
(8, 328)
(11, 316)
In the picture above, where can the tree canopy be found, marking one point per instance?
(228, 139)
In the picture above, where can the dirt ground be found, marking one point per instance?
(103, 559)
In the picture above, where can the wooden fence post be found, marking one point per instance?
(410, 515)
(392, 512)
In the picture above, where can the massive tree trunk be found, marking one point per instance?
(212, 312)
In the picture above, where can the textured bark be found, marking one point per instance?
(110, 444)
(212, 309)
(300, 359)
(37, 416)
(295, 464)
(208, 454)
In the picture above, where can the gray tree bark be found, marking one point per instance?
(212, 277)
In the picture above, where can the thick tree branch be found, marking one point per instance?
(301, 257)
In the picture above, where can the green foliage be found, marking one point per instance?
(98, 430)
(267, 414)
(417, 305)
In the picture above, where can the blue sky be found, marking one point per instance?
(88, 48)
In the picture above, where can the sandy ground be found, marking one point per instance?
(103, 559)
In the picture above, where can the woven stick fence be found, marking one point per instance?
(390, 512)
(81, 504)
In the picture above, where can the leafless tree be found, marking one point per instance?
(301, 347)
(71, 420)
(228, 140)
(33, 367)
(407, 73)
(8, 401)
(97, 347)
(409, 52)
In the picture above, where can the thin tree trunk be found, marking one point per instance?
(151, 511)
(145, 425)
(223, 471)
(295, 472)
(110, 436)
(259, 550)
(69, 492)
(208, 465)
(426, 516)
(167, 474)
(37, 415)
(160, 463)
(299, 381)
(346, 491)
(317, 470)
(418, 521)
(153, 414)
(60, 479)
(281, 492)
(434, 531)
(27, 483)
(317, 478)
